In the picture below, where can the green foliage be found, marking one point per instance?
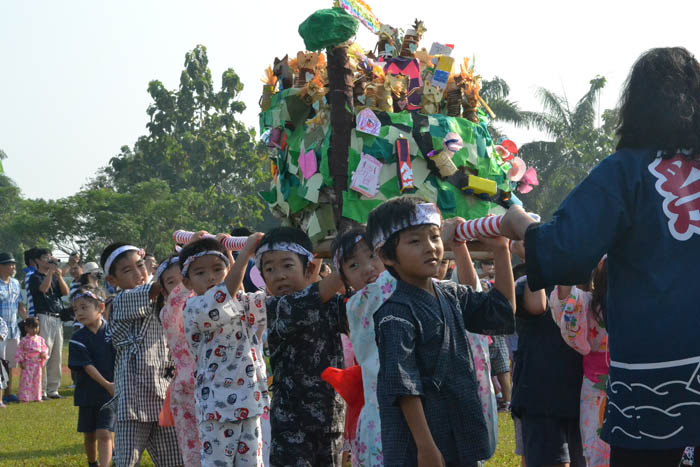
(579, 143)
(197, 167)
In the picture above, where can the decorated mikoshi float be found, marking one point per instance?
(349, 128)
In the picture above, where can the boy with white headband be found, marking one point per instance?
(230, 383)
(91, 359)
(427, 389)
(305, 321)
(142, 361)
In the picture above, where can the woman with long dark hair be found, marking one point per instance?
(641, 205)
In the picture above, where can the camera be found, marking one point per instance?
(53, 261)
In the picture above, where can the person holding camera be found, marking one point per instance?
(47, 287)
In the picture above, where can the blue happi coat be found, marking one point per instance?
(644, 211)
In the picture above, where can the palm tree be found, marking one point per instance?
(578, 143)
(495, 92)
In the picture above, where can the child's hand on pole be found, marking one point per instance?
(251, 244)
(494, 243)
(198, 235)
(447, 231)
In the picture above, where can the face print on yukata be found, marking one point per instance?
(206, 446)
(231, 399)
(205, 393)
(221, 353)
(214, 314)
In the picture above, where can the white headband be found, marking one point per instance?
(188, 261)
(165, 265)
(340, 253)
(85, 294)
(281, 246)
(426, 213)
(119, 251)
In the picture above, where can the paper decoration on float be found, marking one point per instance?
(308, 164)
(365, 180)
(362, 12)
(407, 134)
(367, 122)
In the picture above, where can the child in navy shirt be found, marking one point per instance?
(91, 357)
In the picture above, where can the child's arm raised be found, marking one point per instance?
(331, 285)
(234, 278)
(428, 453)
(535, 302)
(95, 374)
(465, 268)
(503, 282)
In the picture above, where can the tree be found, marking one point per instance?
(496, 94)
(146, 214)
(579, 143)
(194, 142)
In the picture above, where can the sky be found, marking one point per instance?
(74, 74)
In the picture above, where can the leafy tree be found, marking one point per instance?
(195, 142)
(496, 93)
(146, 214)
(578, 144)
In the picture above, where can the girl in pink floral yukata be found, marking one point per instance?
(182, 386)
(581, 316)
(32, 352)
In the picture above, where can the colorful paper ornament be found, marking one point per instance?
(367, 122)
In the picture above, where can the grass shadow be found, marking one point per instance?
(34, 453)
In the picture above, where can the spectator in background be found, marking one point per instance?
(151, 264)
(73, 260)
(30, 269)
(91, 275)
(75, 272)
(47, 287)
(10, 306)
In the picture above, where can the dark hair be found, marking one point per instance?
(287, 235)
(599, 300)
(31, 322)
(383, 218)
(29, 255)
(345, 243)
(241, 231)
(199, 246)
(86, 288)
(660, 102)
(162, 296)
(39, 252)
(151, 255)
(519, 270)
(108, 251)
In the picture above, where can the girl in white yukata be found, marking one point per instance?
(220, 325)
(580, 315)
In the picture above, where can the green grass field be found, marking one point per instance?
(44, 434)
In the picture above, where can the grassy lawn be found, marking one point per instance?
(44, 433)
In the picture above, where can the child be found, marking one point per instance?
(175, 296)
(580, 315)
(220, 326)
(427, 390)
(3, 374)
(32, 353)
(91, 357)
(546, 384)
(305, 321)
(141, 363)
(360, 267)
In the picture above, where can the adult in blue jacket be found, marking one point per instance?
(641, 206)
